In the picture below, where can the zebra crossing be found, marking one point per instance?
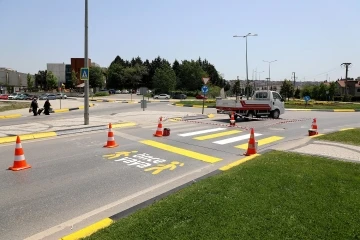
(226, 136)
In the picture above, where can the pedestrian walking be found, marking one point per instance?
(34, 106)
(47, 106)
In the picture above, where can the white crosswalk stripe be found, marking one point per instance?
(236, 139)
(201, 132)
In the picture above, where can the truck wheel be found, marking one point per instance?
(275, 114)
(249, 116)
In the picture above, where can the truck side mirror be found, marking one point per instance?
(282, 100)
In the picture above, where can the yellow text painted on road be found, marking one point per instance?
(182, 151)
(262, 142)
(215, 135)
(344, 110)
(118, 154)
(89, 230)
(161, 167)
(238, 162)
(345, 129)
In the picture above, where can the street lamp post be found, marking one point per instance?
(267, 84)
(247, 75)
(258, 76)
(86, 61)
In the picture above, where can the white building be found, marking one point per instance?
(58, 69)
(94, 64)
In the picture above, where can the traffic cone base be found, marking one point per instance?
(19, 159)
(111, 139)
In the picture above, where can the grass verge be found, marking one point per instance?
(6, 106)
(200, 102)
(321, 105)
(350, 136)
(275, 196)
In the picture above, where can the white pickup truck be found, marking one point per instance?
(263, 103)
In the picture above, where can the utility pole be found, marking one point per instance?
(86, 61)
(346, 74)
(269, 71)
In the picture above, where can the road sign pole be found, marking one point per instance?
(86, 97)
(203, 103)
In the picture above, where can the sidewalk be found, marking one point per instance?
(66, 105)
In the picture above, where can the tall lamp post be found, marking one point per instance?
(86, 61)
(258, 74)
(267, 84)
(247, 75)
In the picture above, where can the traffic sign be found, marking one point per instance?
(307, 98)
(204, 89)
(205, 80)
(84, 74)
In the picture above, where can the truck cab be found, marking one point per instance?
(263, 103)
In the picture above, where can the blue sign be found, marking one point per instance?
(84, 74)
(307, 98)
(204, 89)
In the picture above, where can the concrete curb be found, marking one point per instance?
(128, 101)
(63, 132)
(195, 106)
(10, 116)
(323, 110)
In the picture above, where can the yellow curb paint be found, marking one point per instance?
(10, 116)
(87, 231)
(121, 125)
(215, 135)
(345, 129)
(61, 110)
(198, 106)
(2, 117)
(344, 110)
(211, 116)
(262, 142)
(182, 151)
(99, 100)
(238, 162)
(318, 135)
(27, 137)
(179, 105)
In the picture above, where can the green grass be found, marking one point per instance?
(321, 105)
(200, 102)
(351, 136)
(6, 106)
(275, 196)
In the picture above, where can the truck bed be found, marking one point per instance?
(233, 105)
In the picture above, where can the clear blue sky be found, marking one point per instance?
(309, 37)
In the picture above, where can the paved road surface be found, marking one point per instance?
(70, 176)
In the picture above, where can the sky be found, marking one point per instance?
(309, 37)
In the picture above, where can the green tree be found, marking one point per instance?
(227, 87)
(96, 77)
(164, 79)
(315, 92)
(51, 81)
(306, 91)
(322, 92)
(287, 89)
(214, 91)
(74, 80)
(297, 93)
(40, 79)
(30, 82)
(133, 76)
(332, 90)
(116, 77)
(190, 75)
(236, 88)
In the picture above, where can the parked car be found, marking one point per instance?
(47, 96)
(180, 96)
(117, 92)
(111, 91)
(61, 95)
(125, 91)
(200, 97)
(162, 96)
(4, 96)
(13, 96)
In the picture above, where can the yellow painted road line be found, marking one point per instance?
(88, 230)
(61, 110)
(344, 129)
(215, 135)
(28, 137)
(344, 110)
(121, 125)
(238, 162)
(182, 151)
(261, 142)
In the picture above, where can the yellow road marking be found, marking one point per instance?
(211, 116)
(61, 110)
(215, 135)
(344, 129)
(27, 137)
(344, 110)
(261, 142)
(88, 230)
(182, 151)
(238, 162)
(121, 125)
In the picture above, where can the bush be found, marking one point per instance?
(101, 94)
(347, 98)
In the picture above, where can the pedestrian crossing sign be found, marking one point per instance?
(84, 74)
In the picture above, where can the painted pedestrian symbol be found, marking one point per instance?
(118, 154)
(161, 167)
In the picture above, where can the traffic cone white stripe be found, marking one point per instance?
(19, 158)
(111, 139)
(18, 146)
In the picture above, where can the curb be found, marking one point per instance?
(10, 116)
(126, 101)
(323, 110)
(195, 106)
(63, 132)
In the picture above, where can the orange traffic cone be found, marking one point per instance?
(314, 129)
(111, 140)
(232, 120)
(251, 145)
(159, 130)
(19, 160)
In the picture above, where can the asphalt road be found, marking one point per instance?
(70, 177)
